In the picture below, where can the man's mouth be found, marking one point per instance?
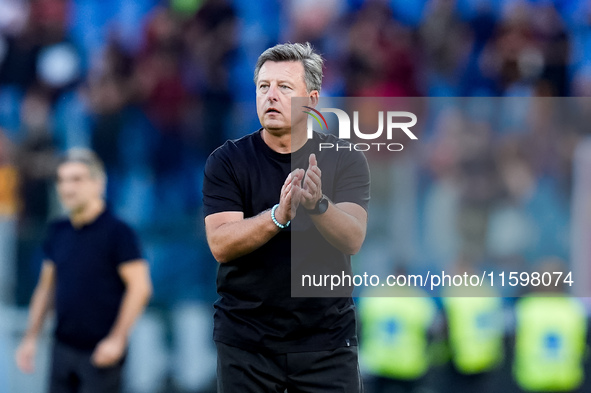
(272, 110)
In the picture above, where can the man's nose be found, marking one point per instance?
(272, 93)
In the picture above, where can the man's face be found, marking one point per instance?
(277, 83)
(76, 186)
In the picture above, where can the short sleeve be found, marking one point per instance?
(127, 246)
(352, 180)
(221, 191)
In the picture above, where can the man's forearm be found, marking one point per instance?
(235, 239)
(41, 302)
(133, 304)
(343, 230)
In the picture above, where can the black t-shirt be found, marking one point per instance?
(88, 286)
(256, 310)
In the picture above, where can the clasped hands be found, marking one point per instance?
(300, 188)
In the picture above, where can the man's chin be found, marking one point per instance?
(277, 129)
(72, 208)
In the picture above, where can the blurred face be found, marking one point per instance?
(277, 83)
(76, 187)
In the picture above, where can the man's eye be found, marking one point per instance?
(285, 87)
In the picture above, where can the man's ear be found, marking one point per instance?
(313, 98)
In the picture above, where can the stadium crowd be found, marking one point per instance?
(154, 86)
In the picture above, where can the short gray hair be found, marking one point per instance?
(304, 53)
(87, 157)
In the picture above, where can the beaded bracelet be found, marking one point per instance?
(275, 220)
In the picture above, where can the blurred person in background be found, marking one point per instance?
(94, 274)
(36, 163)
(475, 331)
(9, 205)
(551, 331)
(396, 329)
(163, 95)
(268, 340)
(381, 58)
(211, 40)
(509, 52)
(446, 41)
(108, 93)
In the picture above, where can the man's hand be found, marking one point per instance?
(25, 355)
(289, 200)
(108, 351)
(312, 185)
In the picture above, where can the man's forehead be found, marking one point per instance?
(73, 168)
(281, 68)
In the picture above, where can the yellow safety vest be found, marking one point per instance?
(475, 330)
(549, 343)
(394, 333)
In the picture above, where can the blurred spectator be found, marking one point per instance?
(514, 56)
(157, 72)
(309, 20)
(211, 42)
(479, 188)
(36, 156)
(475, 331)
(36, 161)
(550, 336)
(30, 53)
(109, 91)
(9, 205)
(396, 325)
(164, 98)
(19, 55)
(530, 219)
(442, 196)
(380, 58)
(155, 86)
(446, 41)
(555, 49)
(581, 83)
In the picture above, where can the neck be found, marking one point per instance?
(285, 143)
(87, 213)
